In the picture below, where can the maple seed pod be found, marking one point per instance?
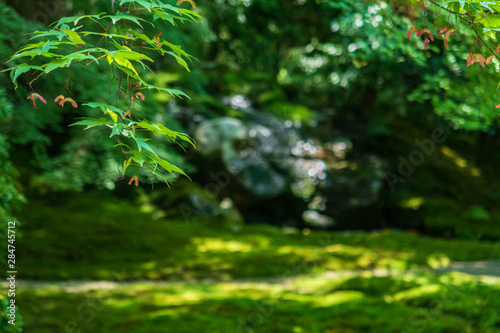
(470, 60)
(127, 114)
(32, 96)
(410, 32)
(75, 105)
(41, 98)
(67, 99)
(190, 1)
(441, 31)
(480, 59)
(135, 180)
(446, 35)
(139, 95)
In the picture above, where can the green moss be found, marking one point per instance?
(357, 304)
(97, 236)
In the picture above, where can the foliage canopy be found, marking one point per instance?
(121, 42)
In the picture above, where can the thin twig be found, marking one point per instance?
(482, 41)
(104, 36)
(119, 88)
(448, 10)
(67, 80)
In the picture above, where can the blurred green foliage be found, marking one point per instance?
(5, 326)
(346, 74)
(339, 78)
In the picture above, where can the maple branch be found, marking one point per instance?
(482, 41)
(450, 11)
(470, 23)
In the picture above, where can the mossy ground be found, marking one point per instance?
(405, 303)
(255, 279)
(91, 237)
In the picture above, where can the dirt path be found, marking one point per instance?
(479, 268)
(489, 268)
(83, 285)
